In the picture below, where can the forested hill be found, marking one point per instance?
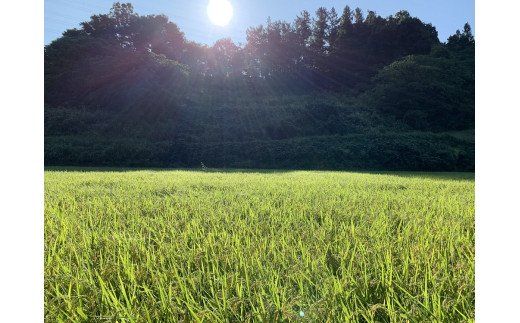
(335, 90)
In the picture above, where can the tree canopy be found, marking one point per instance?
(326, 51)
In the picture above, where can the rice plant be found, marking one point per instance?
(232, 246)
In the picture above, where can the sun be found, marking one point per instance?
(220, 12)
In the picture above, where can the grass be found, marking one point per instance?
(303, 246)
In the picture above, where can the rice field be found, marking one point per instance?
(255, 246)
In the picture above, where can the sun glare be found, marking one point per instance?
(220, 12)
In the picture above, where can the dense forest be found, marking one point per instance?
(348, 90)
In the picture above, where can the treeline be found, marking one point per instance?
(124, 77)
(327, 51)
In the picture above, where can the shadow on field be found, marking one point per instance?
(429, 175)
(426, 175)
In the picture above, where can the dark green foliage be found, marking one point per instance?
(409, 151)
(327, 92)
(427, 93)
(461, 41)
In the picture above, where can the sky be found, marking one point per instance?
(191, 17)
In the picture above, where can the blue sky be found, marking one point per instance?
(446, 15)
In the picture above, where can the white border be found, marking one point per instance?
(21, 162)
(497, 162)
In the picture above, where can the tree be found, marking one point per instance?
(113, 25)
(122, 14)
(401, 16)
(319, 30)
(358, 16)
(333, 28)
(371, 18)
(303, 28)
(226, 55)
(256, 49)
(303, 32)
(461, 41)
(467, 33)
(344, 29)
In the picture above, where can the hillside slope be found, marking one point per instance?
(130, 90)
